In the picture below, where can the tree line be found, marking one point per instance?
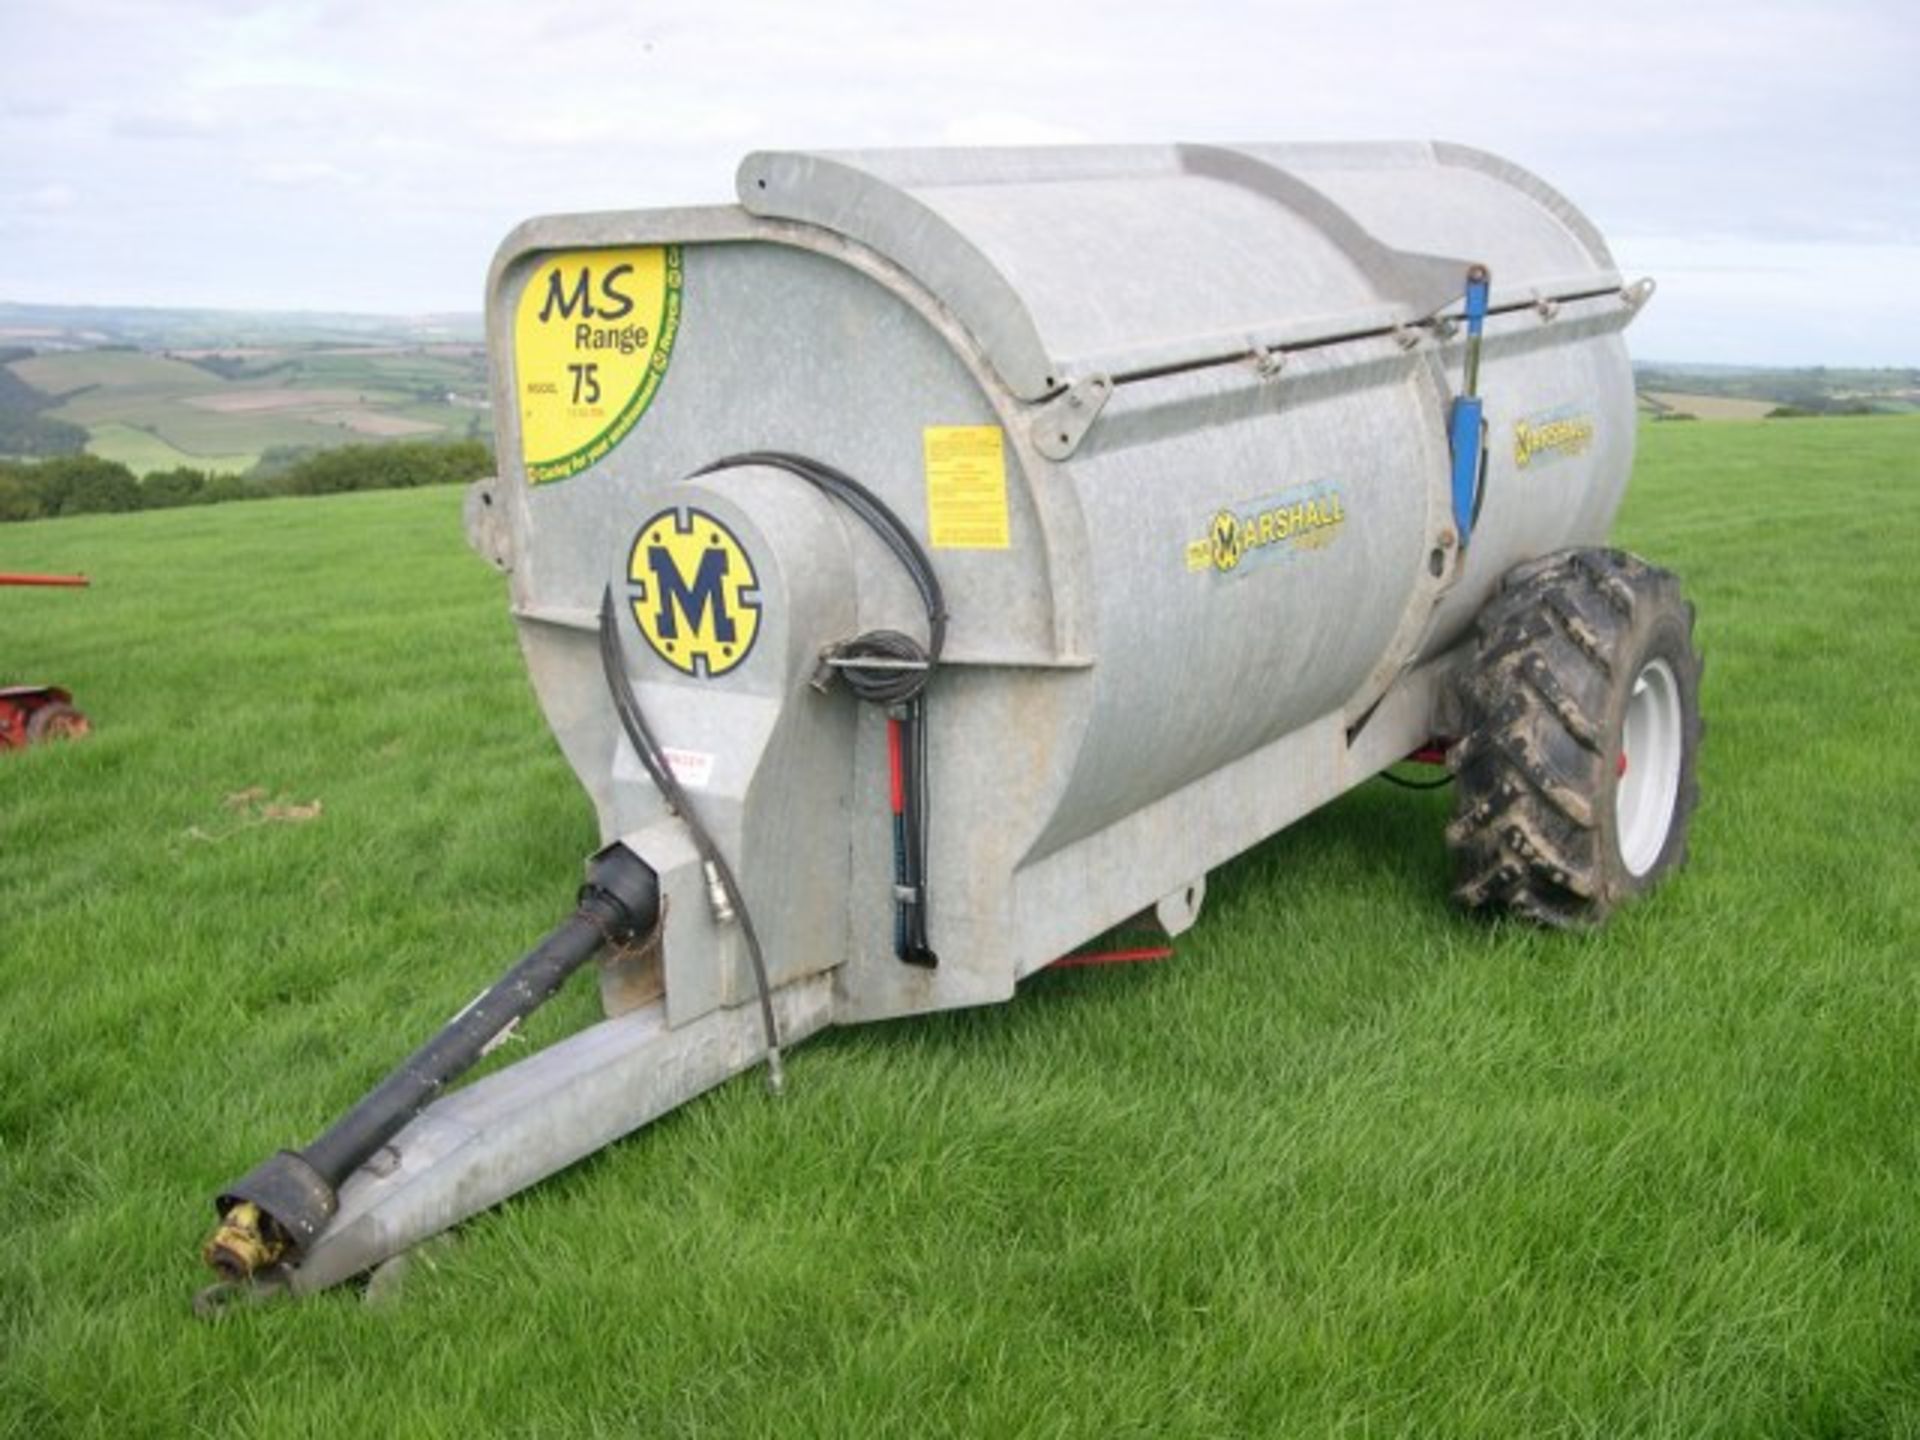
(89, 485)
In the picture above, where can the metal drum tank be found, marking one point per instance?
(1172, 422)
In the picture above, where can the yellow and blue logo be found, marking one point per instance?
(1310, 518)
(1557, 434)
(695, 596)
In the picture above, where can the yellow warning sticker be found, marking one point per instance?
(591, 341)
(966, 487)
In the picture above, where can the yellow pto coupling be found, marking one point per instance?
(246, 1243)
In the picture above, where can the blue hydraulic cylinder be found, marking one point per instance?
(1465, 437)
(1465, 425)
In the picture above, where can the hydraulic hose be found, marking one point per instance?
(641, 737)
(883, 684)
(888, 668)
(283, 1204)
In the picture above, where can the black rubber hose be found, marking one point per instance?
(613, 666)
(297, 1190)
(883, 685)
(884, 667)
(1405, 784)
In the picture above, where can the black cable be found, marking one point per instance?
(922, 952)
(898, 683)
(1479, 482)
(613, 664)
(910, 928)
(893, 684)
(1392, 779)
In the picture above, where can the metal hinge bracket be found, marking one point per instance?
(1059, 428)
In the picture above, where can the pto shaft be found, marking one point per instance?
(283, 1204)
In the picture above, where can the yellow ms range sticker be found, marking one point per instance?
(695, 596)
(591, 342)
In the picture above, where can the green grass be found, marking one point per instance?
(143, 452)
(1350, 1164)
(210, 432)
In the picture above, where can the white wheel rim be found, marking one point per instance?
(1651, 742)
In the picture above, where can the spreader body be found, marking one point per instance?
(1174, 426)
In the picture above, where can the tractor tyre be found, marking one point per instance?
(1575, 767)
(56, 721)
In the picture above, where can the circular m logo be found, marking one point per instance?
(695, 596)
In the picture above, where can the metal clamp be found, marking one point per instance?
(839, 661)
(717, 898)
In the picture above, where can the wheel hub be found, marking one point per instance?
(1651, 744)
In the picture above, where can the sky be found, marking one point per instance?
(1760, 159)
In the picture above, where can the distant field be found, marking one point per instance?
(241, 400)
(221, 331)
(1713, 407)
(1698, 390)
(73, 371)
(143, 452)
(154, 411)
(1349, 1164)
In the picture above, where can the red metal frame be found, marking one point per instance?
(1113, 957)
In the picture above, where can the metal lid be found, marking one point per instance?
(1074, 261)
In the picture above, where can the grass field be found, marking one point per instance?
(1349, 1164)
(143, 452)
(1714, 407)
(154, 412)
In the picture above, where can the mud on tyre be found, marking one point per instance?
(1580, 730)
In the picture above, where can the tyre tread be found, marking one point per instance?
(1526, 833)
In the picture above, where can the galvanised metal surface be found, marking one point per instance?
(1221, 588)
(493, 1138)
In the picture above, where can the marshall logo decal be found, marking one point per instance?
(1309, 518)
(1551, 435)
(695, 595)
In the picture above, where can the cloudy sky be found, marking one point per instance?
(1760, 158)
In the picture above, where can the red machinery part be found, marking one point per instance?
(32, 713)
(897, 792)
(1113, 957)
